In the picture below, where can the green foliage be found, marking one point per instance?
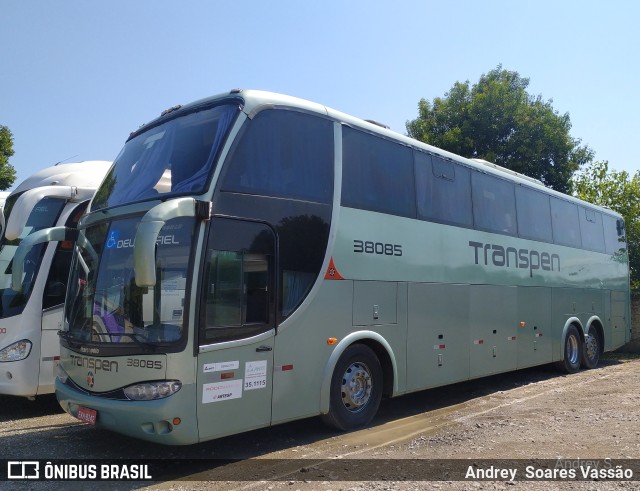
(7, 172)
(497, 120)
(620, 192)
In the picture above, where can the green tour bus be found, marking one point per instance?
(253, 258)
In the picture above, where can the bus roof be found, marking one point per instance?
(81, 174)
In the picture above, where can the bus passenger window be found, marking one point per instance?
(564, 219)
(443, 190)
(534, 214)
(494, 206)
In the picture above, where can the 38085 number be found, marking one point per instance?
(368, 247)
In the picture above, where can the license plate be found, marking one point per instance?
(87, 415)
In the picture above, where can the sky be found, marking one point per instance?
(76, 77)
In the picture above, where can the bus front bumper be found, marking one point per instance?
(170, 421)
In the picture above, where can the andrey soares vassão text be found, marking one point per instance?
(600, 470)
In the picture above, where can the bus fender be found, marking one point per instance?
(344, 343)
(594, 319)
(570, 321)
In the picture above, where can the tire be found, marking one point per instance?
(591, 349)
(573, 348)
(355, 390)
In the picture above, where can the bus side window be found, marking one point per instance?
(565, 222)
(613, 234)
(443, 190)
(494, 206)
(238, 281)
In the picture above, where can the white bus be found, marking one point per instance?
(31, 318)
(253, 258)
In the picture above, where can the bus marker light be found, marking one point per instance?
(538, 334)
(331, 341)
(479, 341)
(176, 421)
(511, 338)
(287, 367)
(226, 375)
(438, 346)
(522, 324)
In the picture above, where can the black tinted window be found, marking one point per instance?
(377, 174)
(534, 214)
(613, 236)
(443, 191)
(283, 154)
(494, 206)
(564, 218)
(591, 230)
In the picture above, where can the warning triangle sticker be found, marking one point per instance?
(332, 272)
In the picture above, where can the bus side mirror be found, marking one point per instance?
(620, 227)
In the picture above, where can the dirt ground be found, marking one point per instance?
(536, 415)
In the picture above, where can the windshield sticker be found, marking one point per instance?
(113, 239)
(255, 375)
(219, 367)
(222, 391)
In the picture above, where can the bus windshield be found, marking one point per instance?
(105, 306)
(173, 158)
(45, 214)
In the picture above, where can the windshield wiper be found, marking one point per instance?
(66, 335)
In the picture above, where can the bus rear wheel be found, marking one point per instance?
(592, 349)
(356, 389)
(572, 351)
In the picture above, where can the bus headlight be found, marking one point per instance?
(16, 351)
(150, 391)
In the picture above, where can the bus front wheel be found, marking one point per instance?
(572, 351)
(591, 350)
(356, 389)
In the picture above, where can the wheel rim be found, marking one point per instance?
(572, 349)
(356, 387)
(591, 346)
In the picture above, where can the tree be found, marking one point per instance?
(621, 193)
(497, 120)
(7, 172)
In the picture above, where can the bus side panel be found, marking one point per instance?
(301, 350)
(619, 311)
(535, 336)
(493, 334)
(438, 339)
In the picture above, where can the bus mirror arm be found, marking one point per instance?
(41, 236)
(144, 251)
(29, 199)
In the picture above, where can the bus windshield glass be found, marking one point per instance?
(45, 214)
(174, 158)
(105, 306)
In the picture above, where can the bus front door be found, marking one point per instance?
(237, 319)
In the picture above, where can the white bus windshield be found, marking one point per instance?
(45, 214)
(174, 158)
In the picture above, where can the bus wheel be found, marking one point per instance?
(572, 351)
(591, 349)
(356, 389)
